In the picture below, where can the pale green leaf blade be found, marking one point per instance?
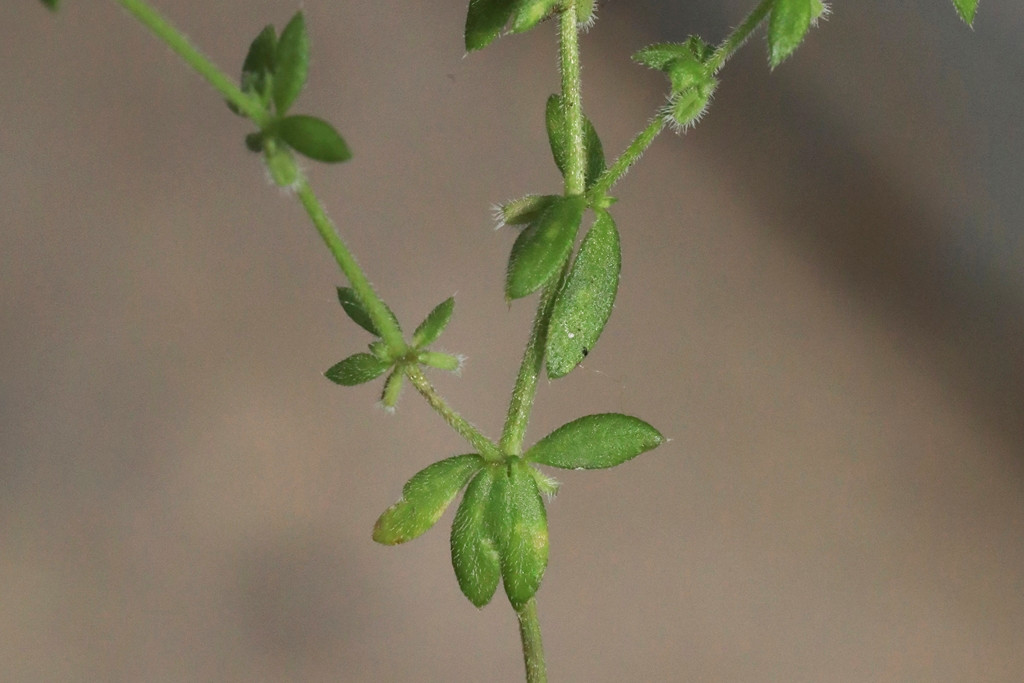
(789, 23)
(966, 9)
(529, 13)
(291, 66)
(433, 325)
(474, 551)
(357, 369)
(558, 131)
(485, 20)
(424, 499)
(585, 302)
(542, 248)
(518, 522)
(595, 442)
(525, 210)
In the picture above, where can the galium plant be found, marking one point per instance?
(499, 534)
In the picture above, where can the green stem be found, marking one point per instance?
(734, 41)
(533, 646)
(629, 157)
(529, 371)
(485, 446)
(174, 39)
(572, 99)
(377, 310)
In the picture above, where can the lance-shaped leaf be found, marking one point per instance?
(519, 524)
(439, 360)
(315, 138)
(392, 389)
(558, 137)
(258, 67)
(595, 442)
(484, 21)
(424, 499)
(529, 13)
(357, 312)
(525, 210)
(966, 9)
(357, 369)
(474, 551)
(585, 302)
(291, 66)
(542, 248)
(433, 325)
(789, 23)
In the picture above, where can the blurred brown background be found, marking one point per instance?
(822, 306)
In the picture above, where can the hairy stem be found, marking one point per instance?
(487, 448)
(175, 40)
(628, 157)
(529, 371)
(376, 309)
(572, 98)
(533, 646)
(734, 41)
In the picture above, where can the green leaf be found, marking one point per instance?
(585, 14)
(474, 550)
(357, 312)
(517, 521)
(433, 325)
(392, 389)
(585, 302)
(789, 23)
(51, 4)
(441, 361)
(542, 248)
(595, 442)
(525, 210)
(357, 369)
(529, 13)
(558, 138)
(424, 499)
(660, 55)
(258, 67)
(291, 63)
(688, 107)
(314, 138)
(484, 21)
(966, 10)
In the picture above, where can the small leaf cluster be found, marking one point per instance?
(486, 19)
(365, 367)
(541, 252)
(274, 72)
(690, 75)
(500, 530)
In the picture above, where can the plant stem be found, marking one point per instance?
(175, 40)
(569, 64)
(487, 448)
(533, 646)
(533, 358)
(734, 41)
(629, 157)
(376, 308)
(529, 371)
